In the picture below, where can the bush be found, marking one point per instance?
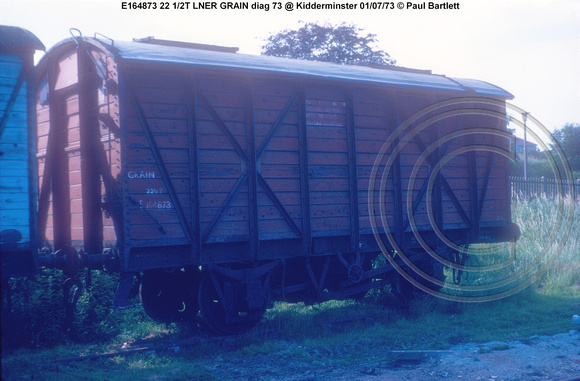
(37, 315)
(35, 311)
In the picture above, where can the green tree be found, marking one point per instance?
(568, 137)
(342, 44)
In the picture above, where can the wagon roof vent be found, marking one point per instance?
(189, 45)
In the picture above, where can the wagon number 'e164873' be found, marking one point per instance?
(165, 204)
(154, 5)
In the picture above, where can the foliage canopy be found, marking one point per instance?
(342, 44)
(569, 139)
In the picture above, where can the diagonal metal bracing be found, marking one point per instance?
(235, 189)
(445, 184)
(277, 123)
(222, 126)
(244, 156)
(422, 192)
(416, 202)
(485, 183)
(240, 151)
(279, 205)
(12, 100)
(160, 163)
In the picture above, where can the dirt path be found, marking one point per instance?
(536, 358)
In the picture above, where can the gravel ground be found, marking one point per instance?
(536, 358)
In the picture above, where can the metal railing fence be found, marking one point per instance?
(521, 187)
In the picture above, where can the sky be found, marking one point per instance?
(531, 48)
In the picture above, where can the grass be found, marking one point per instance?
(547, 254)
(294, 335)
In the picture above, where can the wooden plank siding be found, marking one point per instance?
(198, 165)
(14, 165)
(18, 216)
(375, 122)
(223, 160)
(328, 161)
(153, 213)
(221, 124)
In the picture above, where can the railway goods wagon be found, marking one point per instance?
(18, 234)
(227, 180)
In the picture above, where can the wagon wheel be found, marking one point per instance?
(223, 305)
(340, 274)
(367, 265)
(170, 296)
(405, 291)
(189, 291)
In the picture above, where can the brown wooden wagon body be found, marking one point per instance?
(266, 173)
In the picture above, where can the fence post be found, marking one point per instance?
(544, 187)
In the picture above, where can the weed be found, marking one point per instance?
(550, 241)
(546, 256)
(37, 314)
